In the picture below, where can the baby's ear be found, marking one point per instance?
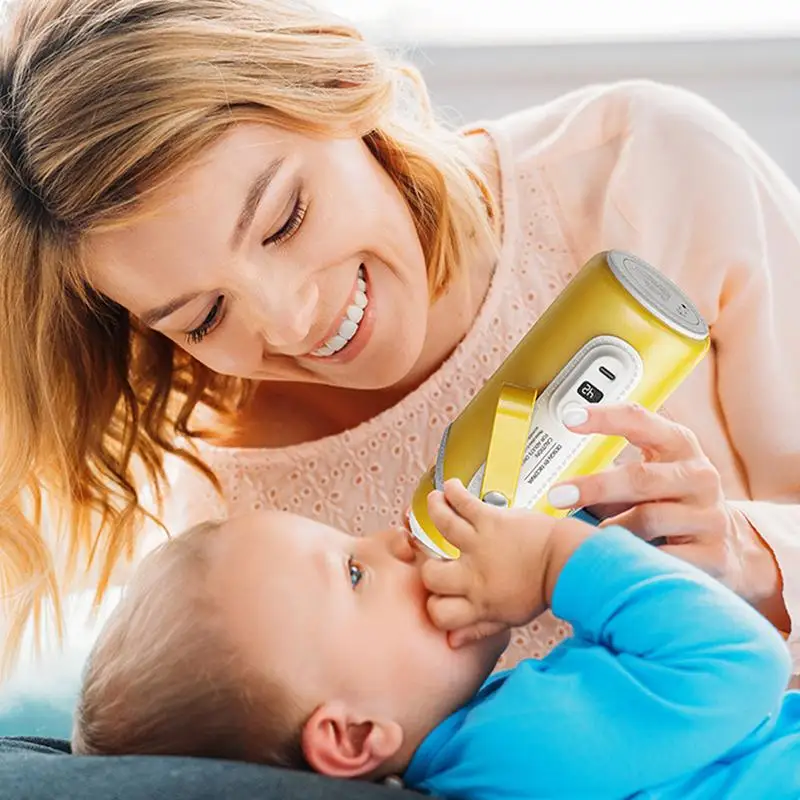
(342, 744)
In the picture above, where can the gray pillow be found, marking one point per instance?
(42, 769)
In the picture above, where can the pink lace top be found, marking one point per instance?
(634, 166)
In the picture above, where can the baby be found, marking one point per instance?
(275, 639)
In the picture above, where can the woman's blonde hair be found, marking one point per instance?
(101, 102)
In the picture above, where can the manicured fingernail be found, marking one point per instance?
(564, 496)
(574, 414)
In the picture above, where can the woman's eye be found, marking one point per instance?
(355, 571)
(292, 224)
(213, 318)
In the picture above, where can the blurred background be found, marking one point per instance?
(484, 58)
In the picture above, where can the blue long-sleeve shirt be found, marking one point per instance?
(672, 687)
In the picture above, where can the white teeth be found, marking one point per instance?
(355, 313)
(347, 330)
(349, 325)
(336, 343)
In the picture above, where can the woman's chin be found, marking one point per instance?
(380, 373)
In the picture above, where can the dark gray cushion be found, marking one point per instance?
(42, 769)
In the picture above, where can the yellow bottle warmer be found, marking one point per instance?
(619, 331)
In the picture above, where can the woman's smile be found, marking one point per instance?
(350, 333)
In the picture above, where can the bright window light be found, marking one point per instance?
(507, 21)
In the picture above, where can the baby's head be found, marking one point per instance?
(275, 639)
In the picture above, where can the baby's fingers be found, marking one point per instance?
(451, 613)
(474, 633)
(445, 577)
(450, 523)
(466, 505)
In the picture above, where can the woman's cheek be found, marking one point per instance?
(230, 354)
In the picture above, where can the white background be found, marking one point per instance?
(540, 20)
(484, 58)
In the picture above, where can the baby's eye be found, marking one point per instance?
(356, 572)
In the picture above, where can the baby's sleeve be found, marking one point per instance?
(668, 672)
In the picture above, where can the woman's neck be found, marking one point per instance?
(450, 319)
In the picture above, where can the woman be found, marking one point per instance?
(232, 236)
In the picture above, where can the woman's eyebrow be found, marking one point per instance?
(252, 199)
(155, 315)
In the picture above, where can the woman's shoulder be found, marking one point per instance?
(598, 115)
(629, 165)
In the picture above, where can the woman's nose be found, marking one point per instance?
(283, 313)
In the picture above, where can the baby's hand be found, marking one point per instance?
(503, 577)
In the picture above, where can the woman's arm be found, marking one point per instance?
(687, 190)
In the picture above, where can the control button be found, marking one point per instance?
(497, 499)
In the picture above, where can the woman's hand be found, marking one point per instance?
(673, 498)
(509, 562)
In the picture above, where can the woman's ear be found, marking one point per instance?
(343, 744)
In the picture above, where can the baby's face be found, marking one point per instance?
(342, 618)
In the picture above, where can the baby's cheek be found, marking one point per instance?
(423, 669)
(421, 645)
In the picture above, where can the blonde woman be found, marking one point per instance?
(233, 235)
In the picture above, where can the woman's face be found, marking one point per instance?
(277, 256)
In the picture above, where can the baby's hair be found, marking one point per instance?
(165, 678)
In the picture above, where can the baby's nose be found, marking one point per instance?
(401, 547)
